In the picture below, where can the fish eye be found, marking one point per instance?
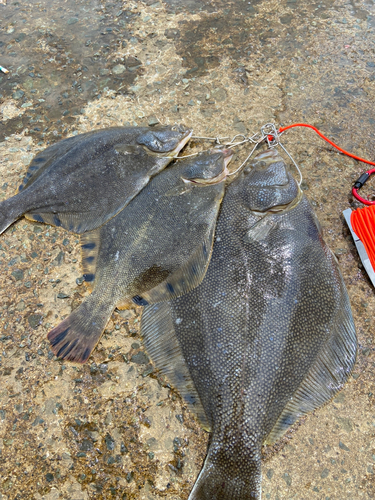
(174, 128)
(156, 143)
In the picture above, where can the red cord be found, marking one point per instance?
(363, 223)
(282, 129)
(354, 190)
(359, 198)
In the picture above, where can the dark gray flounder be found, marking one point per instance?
(81, 182)
(158, 248)
(268, 335)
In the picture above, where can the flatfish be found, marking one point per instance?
(265, 338)
(156, 249)
(83, 181)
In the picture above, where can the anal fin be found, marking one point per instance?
(77, 223)
(164, 350)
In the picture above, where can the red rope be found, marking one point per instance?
(369, 172)
(363, 223)
(362, 219)
(282, 129)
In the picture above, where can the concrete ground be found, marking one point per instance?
(113, 428)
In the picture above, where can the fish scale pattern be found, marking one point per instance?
(84, 181)
(162, 242)
(271, 307)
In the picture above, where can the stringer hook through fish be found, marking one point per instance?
(268, 133)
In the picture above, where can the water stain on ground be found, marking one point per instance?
(113, 428)
(61, 57)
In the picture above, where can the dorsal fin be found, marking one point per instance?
(44, 159)
(90, 245)
(328, 374)
(164, 350)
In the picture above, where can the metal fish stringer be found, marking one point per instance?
(268, 134)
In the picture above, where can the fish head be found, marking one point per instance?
(268, 185)
(208, 168)
(165, 139)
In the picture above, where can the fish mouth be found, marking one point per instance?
(227, 154)
(268, 156)
(185, 139)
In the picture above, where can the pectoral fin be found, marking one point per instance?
(186, 278)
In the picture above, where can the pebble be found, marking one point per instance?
(110, 443)
(324, 473)
(270, 473)
(240, 127)
(18, 274)
(180, 418)
(118, 69)
(34, 320)
(345, 423)
(18, 94)
(287, 479)
(123, 448)
(21, 306)
(140, 358)
(343, 447)
(153, 121)
(86, 445)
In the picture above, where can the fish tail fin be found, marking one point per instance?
(75, 338)
(10, 211)
(233, 479)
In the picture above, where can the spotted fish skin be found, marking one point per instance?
(266, 337)
(157, 248)
(83, 181)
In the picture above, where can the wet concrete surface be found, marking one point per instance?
(113, 428)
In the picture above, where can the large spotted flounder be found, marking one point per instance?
(267, 336)
(157, 248)
(83, 181)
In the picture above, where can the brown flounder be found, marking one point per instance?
(83, 181)
(265, 338)
(157, 248)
